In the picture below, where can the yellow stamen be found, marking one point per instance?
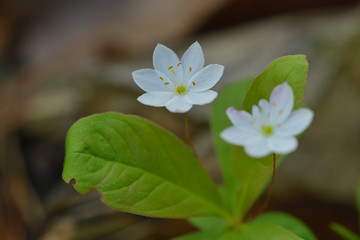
(193, 83)
(161, 78)
(181, 89)
(170, 67)
(167, 83)
(179, 64)
(190, 69)
(267, 130)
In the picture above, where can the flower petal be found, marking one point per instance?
(298, 121)
(258, 118)
(264, 108)
(257, 147)
(282, 145)
(240, 119)
(155, 99)
(281, 103)
(178, 104)
(206, 78)
(238, 136)
(192, 60)
(167, 62)
(200, 98)
(151, 80)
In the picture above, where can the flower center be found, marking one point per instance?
(180, 89)
(267, 130)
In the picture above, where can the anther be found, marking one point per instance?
(161, 78)
(281, 112)
(273, 103)
(167, 83)
(170, 67)
(178, 91)
(179, 64)
(193, 83)
(190, 69)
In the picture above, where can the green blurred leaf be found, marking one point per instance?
(206, 223)
(209, 234)
(232, 95)
(254, 172)
(344, 232)
(139, 167)
(250, 231)
(288, 222)
(259, 231)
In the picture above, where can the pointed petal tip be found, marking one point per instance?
(230, 110)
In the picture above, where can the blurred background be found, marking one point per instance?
(62, 60)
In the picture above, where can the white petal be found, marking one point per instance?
(192, 60)
(178, 104)
(200, 98)
(282, 145)
(151, 80)
(206, 78)
(257, 147)
(256, 112)
(238, 136)
(166, 61)
(298, 121)
(264, 108)
(258, 118)
(155, 99)
(281, 103)
(240, 118)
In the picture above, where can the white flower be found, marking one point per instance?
(178, 84)
(271, 127)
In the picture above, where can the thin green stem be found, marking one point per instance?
(188, 135)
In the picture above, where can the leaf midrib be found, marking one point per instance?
(208, 203)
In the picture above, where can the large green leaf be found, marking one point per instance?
(288, 222)
(232, 95)
(344, 232)
(139, 167)
(254, 172)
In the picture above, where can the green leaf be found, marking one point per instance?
(259, 231)
(209, 234)
(232, 95)
(344, 232)
(292, 69)
(139, 167)
(254, 172)
(288, 222)
(206, 223)
(251, 231)
(267, 231)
